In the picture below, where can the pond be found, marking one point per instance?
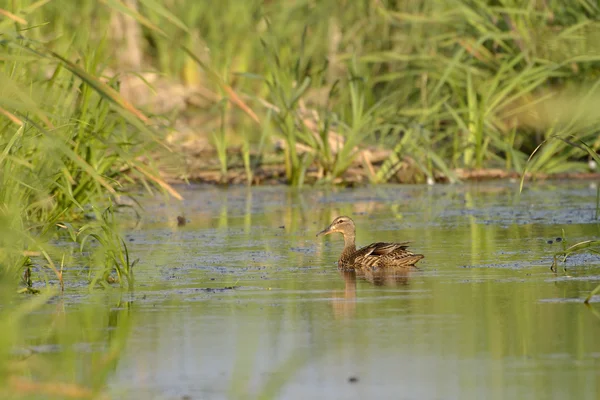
(245, 302)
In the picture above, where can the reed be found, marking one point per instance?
(482, 82)
(70, 143)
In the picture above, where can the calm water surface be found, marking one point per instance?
(245, 302)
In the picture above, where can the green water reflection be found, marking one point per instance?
(484, 317)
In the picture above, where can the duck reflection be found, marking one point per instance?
(344, 303)
(385, 277)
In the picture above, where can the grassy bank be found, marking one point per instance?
(392, 91)
(338, 91)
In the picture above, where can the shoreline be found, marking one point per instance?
(274, 175)
(196, 161)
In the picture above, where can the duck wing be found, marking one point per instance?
(382, 254)
(382, 249)
(370, 255)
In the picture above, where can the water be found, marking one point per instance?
(245, 302)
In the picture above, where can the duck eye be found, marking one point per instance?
(340, 221)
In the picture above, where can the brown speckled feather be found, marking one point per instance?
(381, 255)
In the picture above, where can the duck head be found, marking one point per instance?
(343, 225)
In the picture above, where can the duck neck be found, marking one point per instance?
(349, 246)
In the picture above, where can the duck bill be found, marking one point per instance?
(325, 231)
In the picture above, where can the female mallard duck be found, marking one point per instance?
(374, 256)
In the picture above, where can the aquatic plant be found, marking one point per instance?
(592, 246)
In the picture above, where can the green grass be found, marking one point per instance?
(482, 82)
(70, 145)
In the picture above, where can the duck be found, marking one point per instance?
(375, 256)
